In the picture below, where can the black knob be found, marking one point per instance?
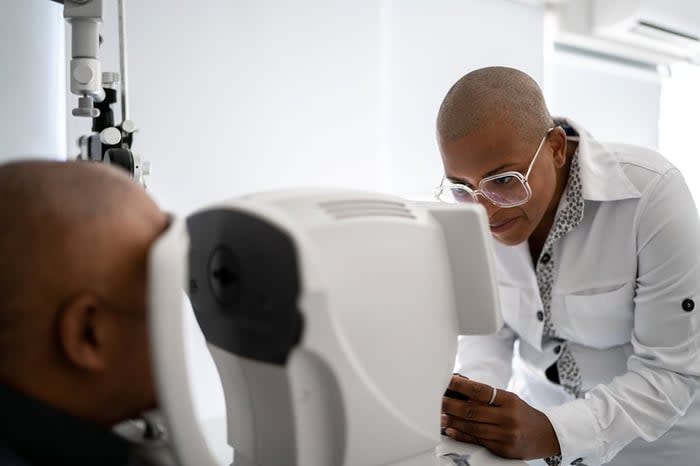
(688, 305)
(224, 276)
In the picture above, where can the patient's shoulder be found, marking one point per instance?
(10, 458)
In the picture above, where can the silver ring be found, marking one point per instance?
(493, 396)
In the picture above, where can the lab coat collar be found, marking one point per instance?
(602, 176)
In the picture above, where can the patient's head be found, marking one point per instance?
(74, 239)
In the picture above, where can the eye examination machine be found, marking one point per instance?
(332, 317)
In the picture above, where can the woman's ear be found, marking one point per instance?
(83, 332)
(557, 140)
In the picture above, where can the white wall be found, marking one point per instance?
(680, 100)
(32, 80)
(616, 102)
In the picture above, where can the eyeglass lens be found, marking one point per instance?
(503, 190)
(507, 189)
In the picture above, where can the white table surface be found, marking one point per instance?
(478, 456)
(215, 432)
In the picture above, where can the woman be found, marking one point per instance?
(597, 249)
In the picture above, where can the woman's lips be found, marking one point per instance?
(500, 227)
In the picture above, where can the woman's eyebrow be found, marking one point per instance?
(457, 180)
(495, 171)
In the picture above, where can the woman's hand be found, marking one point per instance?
(508, 426)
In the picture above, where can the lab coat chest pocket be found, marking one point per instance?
(601, 318)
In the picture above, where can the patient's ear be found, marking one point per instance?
(84, 330)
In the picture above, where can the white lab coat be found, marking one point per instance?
(622, 279)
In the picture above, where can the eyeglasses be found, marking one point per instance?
(507, 189)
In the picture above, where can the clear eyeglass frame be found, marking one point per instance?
(448, 186)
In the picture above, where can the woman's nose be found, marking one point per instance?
(488, 206)
(486, 203)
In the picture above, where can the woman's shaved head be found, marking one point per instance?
(492, 121)
(493, 95)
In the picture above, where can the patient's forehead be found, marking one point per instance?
(131, 233)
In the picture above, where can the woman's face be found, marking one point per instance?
(496, 149)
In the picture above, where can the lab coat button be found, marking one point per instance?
(545, 258)
(577, 461)
(688, 305)
(540, 316)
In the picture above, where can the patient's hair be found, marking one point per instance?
(493, 94)
(51, 232)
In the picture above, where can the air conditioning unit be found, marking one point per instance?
(658, 31)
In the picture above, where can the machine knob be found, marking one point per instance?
(110, 80)
(146, 167)
(128, 126)
(86, 108)
(83, 74)
(110, 136)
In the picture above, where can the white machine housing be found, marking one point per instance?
(381, 290)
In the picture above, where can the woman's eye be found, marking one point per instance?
(461, 194)
(503, 180)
